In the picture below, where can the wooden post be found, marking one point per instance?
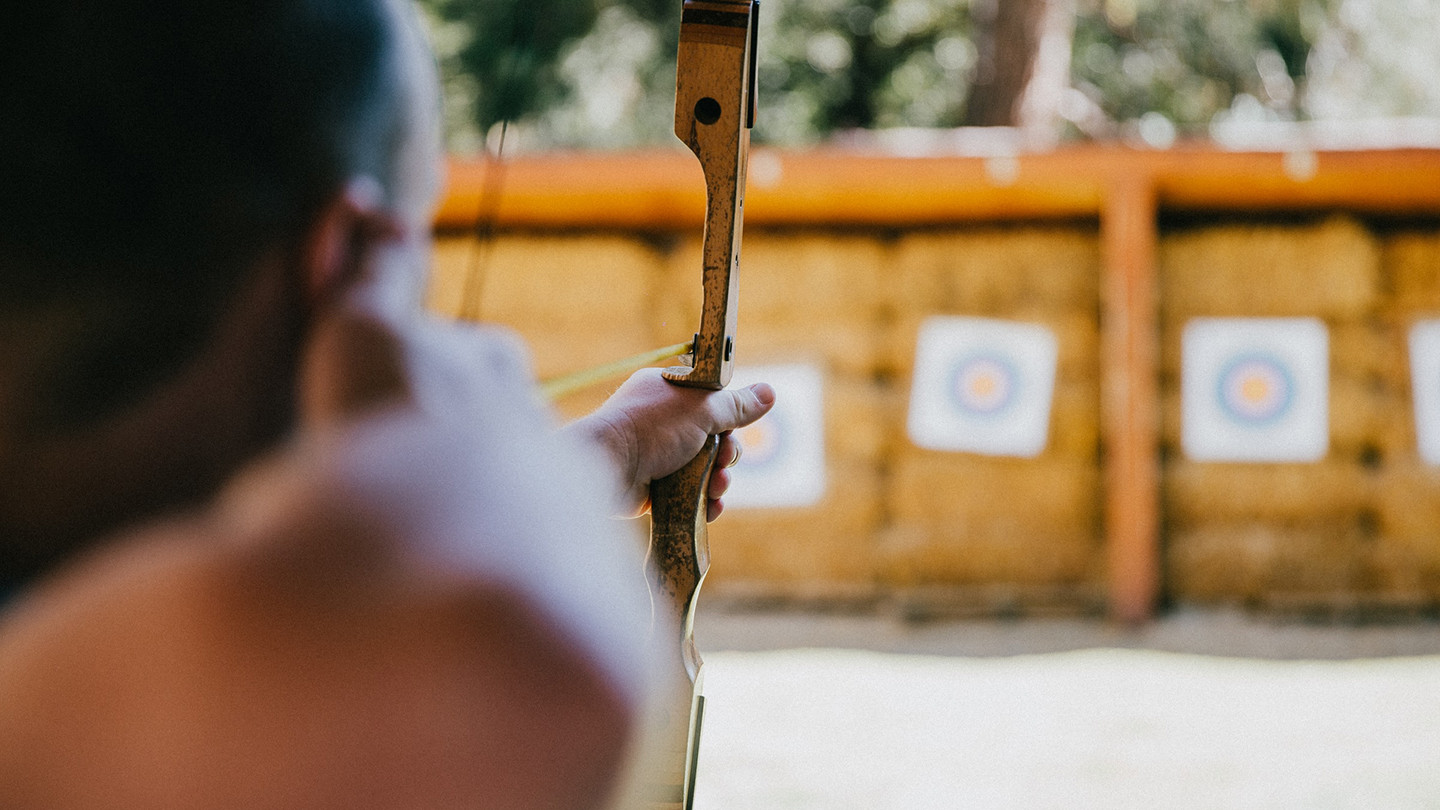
(1130, 394)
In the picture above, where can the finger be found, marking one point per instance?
(728, 455)
(713, 508)
(719, 482)
(740, 407)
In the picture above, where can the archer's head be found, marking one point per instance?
(183, 186)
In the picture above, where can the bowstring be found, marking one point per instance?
(492, 186)
(482, 248)
(482, 245)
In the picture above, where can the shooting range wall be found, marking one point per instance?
(593, 258)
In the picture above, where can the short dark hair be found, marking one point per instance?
(151, 151)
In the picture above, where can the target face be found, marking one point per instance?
(982, 386)
(782, 457)
(1425, 382)
(1255, 389)
(762, 444)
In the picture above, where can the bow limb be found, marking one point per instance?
(714, 109)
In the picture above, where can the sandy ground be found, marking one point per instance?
(1195, 711)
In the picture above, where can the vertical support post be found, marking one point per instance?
(1129, 404)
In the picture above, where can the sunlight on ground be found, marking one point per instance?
(1104, 728)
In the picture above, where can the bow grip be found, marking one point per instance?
(679, 558)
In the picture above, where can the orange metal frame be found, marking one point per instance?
(1123, 188)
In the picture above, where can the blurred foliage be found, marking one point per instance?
(1189, 60)
(576, 71)
(829, 65)
(601, 72)
(506, 60)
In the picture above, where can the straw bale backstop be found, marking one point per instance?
(930, 531)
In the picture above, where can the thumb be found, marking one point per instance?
(737, 408)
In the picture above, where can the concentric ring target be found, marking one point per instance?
(762, 443)
(1256, 389)
(984, 384)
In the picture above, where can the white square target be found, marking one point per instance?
(1425, 387)
(1255, 389)
(982, 385)
(782, 459)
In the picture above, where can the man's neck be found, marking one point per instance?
(231, 401)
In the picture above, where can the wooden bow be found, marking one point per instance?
(714, 110)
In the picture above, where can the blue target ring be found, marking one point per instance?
(1255, 389)
(984, 385)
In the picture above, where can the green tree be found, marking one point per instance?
(826, 65)
(830, 65)
(503, 60)
(1189, 60)
(601, 72)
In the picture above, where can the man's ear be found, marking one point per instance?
(337, 242)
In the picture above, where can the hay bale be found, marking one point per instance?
(916, 554)
(851, 348)
(1172, 355)
(1075, 421)
(578, 301)
(1410, 572)
(996, 270)
(454, 262)
(806, 277)
(1195, 493)
(787, 278)
(1247, 562)
(1411, 261)
(1329, 270)
(994, 496)
(1396, 438)
(558, 353)
(564, 281)
(795, 550)
(1077, 332)
(1406, 570)
(949, 601)
(1365, 350)
(858, 416)
(1359, 413)
(1171, 418)
(802, 294)
(1046, 276)
(1407, 503)
(1396, 434)
(1219, 563)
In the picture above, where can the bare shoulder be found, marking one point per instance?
(322, 637)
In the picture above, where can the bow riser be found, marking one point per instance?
(714, 108)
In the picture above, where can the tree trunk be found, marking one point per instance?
(1023, 69)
